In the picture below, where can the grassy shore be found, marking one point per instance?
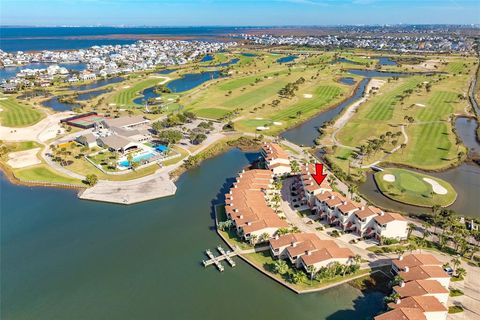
(410, 187)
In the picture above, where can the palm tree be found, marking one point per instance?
(352, 188)
(461, 273)
(426, 232)
(264, 237)
(411, 227)
(298, 277)
(280, 267)
(253, 239)
(411, 247)
(455, 263)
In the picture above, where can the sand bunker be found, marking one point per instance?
(23, 159)
(258, 118)
(262, 128)
(112, 104)
(436, 187)
(420, 105)
(277, 123)
(307, 95)
(389, 177)
(126, 87)
(3, 99)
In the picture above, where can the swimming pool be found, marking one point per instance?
(138, 158)
(161, 148)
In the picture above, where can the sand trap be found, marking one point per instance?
(436, 187)
(269, 78)
(170, 99)
(262, 128)
(277, 123)
(258, 118)
(112, 104)
(158, 98)
(420, 105)
(126, 87)
(23, 159)
(307, 95)
(389, 177)
(3, 99)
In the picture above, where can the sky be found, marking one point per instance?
(237, 12)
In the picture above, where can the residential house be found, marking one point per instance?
(425, 273)
(430, 306)
(276, 159)
(422, 288)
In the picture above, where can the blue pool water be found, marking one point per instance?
(139, 158)
(161, 148)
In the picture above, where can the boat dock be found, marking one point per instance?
(224, 255)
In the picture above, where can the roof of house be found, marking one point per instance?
(423, 273)
(310, 183)
(347, 206)
(420, 288)
(416, 259)
(387, 217)
(89, 137)
(365, 212)
(274, 151)
(126, 121)
(326, 254)
(115, 142)
(402, 314)
(424, 303)
(246, 203)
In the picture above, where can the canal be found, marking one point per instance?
(64, 258)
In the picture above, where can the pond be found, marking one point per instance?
(191, 80)
(467, 131)
(286, 59)
(91, 94)
(206, 58)
(386, 61)
(96, 84)
(347, 80)
(147, 94)
(59, 106)
(166, 71)
(246, 54)
(344, 60)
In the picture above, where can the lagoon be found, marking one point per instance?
(64, 258)
(191, 80)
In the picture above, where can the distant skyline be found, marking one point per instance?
(236, 12)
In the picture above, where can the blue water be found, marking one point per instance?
(286, 59)
(166, 71)
(148, 93)
(206, 58)
(192, 80)
(347, 80)
(246, 54)
(97, 84)
(385, 61)
(10, 72)
(139, 158)
(161, 148)
(59, 106)
(343, 60)
(61, 38)
(376, 74)
(91, 94)
(226, 64)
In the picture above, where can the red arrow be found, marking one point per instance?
(318, 175)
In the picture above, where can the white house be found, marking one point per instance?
(422, 288)
(430, 306)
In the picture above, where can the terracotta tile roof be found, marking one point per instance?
(311, 245)
(416, 259)
(326, 254)
(387, 217)
(420, 288)
(246, 204)
(288, 239)
(424, 303)
(335, 200)
(347, 206)
(323, 196)
(423, 273)
(274, 151)
(402, 314)
(365, 212)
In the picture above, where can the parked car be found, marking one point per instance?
(449, 271)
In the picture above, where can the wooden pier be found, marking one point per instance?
(224, 255)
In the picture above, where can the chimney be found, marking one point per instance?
(362, 208)
(308, 253)
(277, 237)
(400, 257)
(294, 244)
(249, 223)
(382, 213)
(241, 216)
(407, 269)
(402, 284)
(397, 301)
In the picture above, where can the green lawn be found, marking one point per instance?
(384, 105)
(438, 107)
(410, 187)
(42, 173)
(18, 114)
(125, 96)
